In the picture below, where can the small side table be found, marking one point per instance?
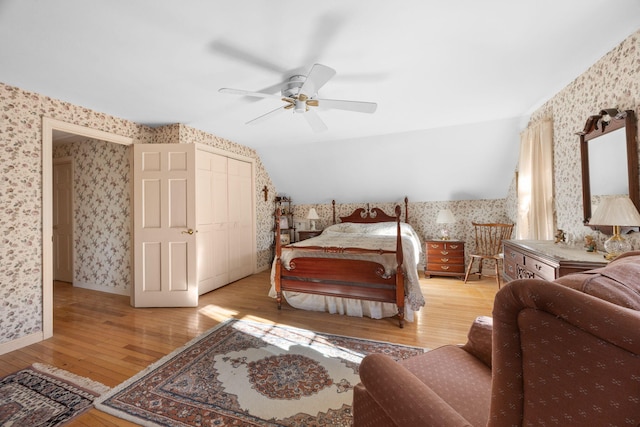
(307, 234)
(444, 258)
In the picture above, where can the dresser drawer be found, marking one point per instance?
(540, 269)
(513, 256)
(510, 269)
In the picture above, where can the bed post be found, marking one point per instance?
(399, 272)
(278, 263)
(406, 210)
(333, 204)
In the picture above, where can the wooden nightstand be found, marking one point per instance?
(307, 234)
(444, 258)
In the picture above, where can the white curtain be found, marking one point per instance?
(535, 183)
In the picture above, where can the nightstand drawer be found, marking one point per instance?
(439, 249)
(434, 268)
(446, 259)
(307, 234)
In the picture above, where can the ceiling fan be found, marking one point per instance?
(299, 94)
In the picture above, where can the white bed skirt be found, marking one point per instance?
(348, 306)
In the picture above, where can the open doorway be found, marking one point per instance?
(52, 129)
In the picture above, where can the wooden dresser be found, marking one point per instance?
(544, 259)
(444, 258)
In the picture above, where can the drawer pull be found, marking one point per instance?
(444, 252)
(453, 246)
(444, 267)
(444, 259)
(435, 245)
(512, 254)
(538, 267)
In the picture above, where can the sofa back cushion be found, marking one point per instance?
(618, 282)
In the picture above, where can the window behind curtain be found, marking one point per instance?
(535, 182)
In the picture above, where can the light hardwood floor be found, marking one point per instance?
(100, 336)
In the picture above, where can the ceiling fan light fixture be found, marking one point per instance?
(300, 106)
(300, 93)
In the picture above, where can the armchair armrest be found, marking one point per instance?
(404, 398)
(552, 342)
(479, 339)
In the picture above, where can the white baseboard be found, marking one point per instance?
(95, 287)
(21, 342)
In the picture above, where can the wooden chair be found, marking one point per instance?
(489, 239)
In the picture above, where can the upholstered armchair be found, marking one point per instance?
(563, 353)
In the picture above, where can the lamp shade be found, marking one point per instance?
(445, 216)
(617, 211)
(312, 214)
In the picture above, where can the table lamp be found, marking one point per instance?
(445, 216)
(618, 212)
(313, 216)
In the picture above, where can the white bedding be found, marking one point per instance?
(369, 236)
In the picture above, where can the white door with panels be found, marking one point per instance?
(165, 262)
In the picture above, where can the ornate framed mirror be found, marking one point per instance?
(609, 153)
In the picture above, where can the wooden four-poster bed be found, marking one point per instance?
(365, 264)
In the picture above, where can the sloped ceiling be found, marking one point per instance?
(454, 81)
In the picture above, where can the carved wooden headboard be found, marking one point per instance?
(362, 215)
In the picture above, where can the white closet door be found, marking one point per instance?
(164, 213)
(241, 218)
(204, 218)
(219, 256)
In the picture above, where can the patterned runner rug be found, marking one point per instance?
(250, 374)
(43, 395)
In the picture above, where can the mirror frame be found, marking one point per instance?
(595, 127)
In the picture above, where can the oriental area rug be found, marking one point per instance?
(245, 373)
(43, 395)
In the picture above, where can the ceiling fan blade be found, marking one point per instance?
(236, 52)
(315, 121)
(266, 116)
(357, 106)
(318, 77)
(248, 93)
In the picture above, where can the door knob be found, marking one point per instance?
(189, 231)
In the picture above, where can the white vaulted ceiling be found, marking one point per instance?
(454, 81)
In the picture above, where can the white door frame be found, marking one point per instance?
(48, 126)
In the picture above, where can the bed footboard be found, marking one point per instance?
(344, 278)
